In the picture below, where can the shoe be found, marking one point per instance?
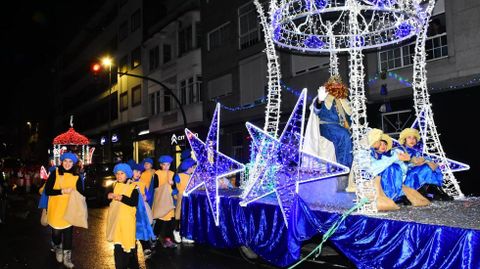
(67, 259)
(440, 194)
(187, 241)
(403, 200)
(147, 253)
(167, 243)
(58, 253)
(176, 237)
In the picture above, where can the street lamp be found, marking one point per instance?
(107, 62)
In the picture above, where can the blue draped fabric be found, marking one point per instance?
(149, 194)
(144, 229)
(336, 133)
(43, 202)
(417, 176)
(368, 242)
(391, 176)
(391, 180)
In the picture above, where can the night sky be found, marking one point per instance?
(33, 34)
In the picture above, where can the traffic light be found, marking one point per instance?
(96, 68)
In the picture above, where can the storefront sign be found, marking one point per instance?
(175, 138)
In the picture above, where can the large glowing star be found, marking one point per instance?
(282, 165)
(211, 164)
(421, 124)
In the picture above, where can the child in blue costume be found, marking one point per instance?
(389, 171)
(423, 174)
(388, 164)
(184, 172)
(144, 231)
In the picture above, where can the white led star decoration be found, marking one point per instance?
(280, 168)
(211, 164)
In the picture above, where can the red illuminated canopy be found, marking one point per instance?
(71, 137)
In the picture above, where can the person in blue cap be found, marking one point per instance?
(163, 184)
(60, 184)
(121, 221)
(184, 172)
(147, 178)
(144, 231)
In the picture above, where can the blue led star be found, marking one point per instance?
(211, 164)
(281, 165)
(421, 124)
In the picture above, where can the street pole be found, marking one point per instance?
(166, 88)
(109, 139)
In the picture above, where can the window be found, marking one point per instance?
(167, 102)
(219, 36)
(436, 47)
(183, 92)
(123, 31)
(253, 78)
(136, 95)
(123, 64)
(167, 53)
(154, 57)
(191, 91)
(136, 58)
(155, 103)
(199, 86)
(220, 86)
(136, 20)
(248, 26)
(124, 101)
(185, 42)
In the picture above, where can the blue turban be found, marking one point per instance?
(165, 159)
(186, 164)
(186, 153)
(147, 160)
(137, 167)
(124, 168)
(131, 162)
(69, 155)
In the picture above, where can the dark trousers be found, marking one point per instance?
(145, 244)
(163, 229)
(124, 260)
(63, 236)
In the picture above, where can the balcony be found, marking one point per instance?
(171, 120)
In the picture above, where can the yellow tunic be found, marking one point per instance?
(125, 222)
(163, 178)
(57, 204)
(141, 187)
(181, 186)
(146, 177)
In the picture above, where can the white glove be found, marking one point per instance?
(322, 94)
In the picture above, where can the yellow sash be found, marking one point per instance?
(163, 178)
(58, 203)
(121, 219)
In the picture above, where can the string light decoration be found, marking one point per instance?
(283, 164)
(310, 25)
(423, 108)
(69, 141)
(211, 164)
(348, 26)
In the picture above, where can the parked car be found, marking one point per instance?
(99, 179)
